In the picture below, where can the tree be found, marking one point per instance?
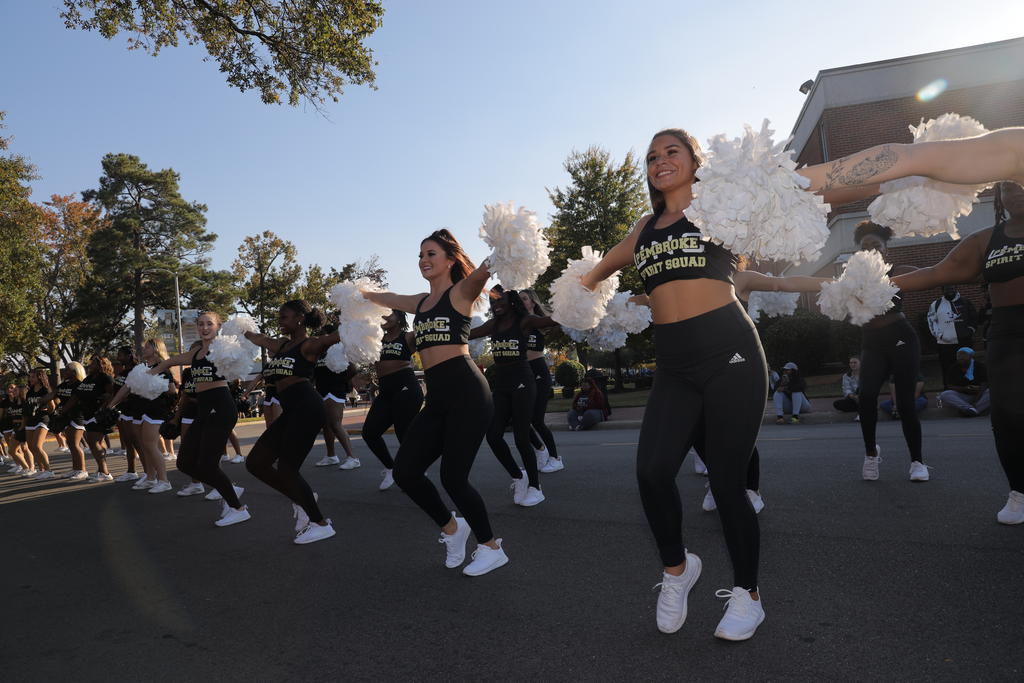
(305, 49)
(66, 230)
(20, 221)
(151, 233)
(317, 284)
(603, 200)
(266, 274)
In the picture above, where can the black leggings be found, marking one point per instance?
(541, 434)
(1005, 346)
(892, 350)
(451, 426)
(397, 403)
(203, 444)
(712, 373)
(287, 442)
(753, 467)
(514, 393)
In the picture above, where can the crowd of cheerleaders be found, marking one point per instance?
(705, 347)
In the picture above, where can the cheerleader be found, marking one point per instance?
(215, 416)
(129, 422)
(89, 395)
(514, 390)
(13, 406)
(458, 408)
(36, 420)
(288, 440)
(705, 347)
(997, 255)
(333, 387)
(540, 436)
(400, 397)
(72, 374)
(154, 413)
(184, 415)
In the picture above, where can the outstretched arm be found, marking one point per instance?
(180, 359)
(482, 330)
(751, 281)
(317, 345)
(406, 303)
(987, 158)
(269, 343)
(963, 264)
(617, 258)
(467, 290)
(534, 322)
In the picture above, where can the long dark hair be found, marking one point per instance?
(997, 204)
(462, 266)
(538, 306)
(515, 304)
(403, 321)
(311, 317)
(687, 141)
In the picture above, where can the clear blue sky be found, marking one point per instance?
(478, 102)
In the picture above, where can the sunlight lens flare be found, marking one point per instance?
(932, 90)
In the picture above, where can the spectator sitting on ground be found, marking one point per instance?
(850, 402)
(967, 380)
(789, 395)
(888, 406)
(588, 407)
(773, 380)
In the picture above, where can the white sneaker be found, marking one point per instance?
(100, 478)
(14, 469)
(699, 467)
(553, 465)
(315, 532)
(869, 471)
(486, 559)
(671, 611)
(78, 475)
(45, 474)
(160, 487)
(144, 482)
(117, 451)
(230, 515)
(64, 449)
(301, 518)
(532, 497)
(918, 471)
(455, 544)
(214, 494)
(743, 614)
(519, 487)
(1013, 511)
(542, 457)
(387, 481)
(128, 476)
(756, 500)
(349, 464)
(236, 459)
(168, 456)
(327, 460)
(708, 504)
(191, 489)
(31, 472)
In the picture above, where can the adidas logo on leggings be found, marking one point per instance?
(737, 358)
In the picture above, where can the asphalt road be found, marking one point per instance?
(883, 580)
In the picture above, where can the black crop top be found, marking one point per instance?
(535, 340)
(677, 252)
(1004, 257)
(288, 363)
(34, 407)
(441, 325)
(508, 346)
(188, 383)
(398, 349)
(203, 370)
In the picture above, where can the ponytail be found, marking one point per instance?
(312, 318)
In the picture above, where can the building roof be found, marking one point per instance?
(904, 76)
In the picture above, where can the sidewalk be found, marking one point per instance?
(630, 418)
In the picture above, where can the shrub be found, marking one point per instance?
(569, 374)
(802, 338)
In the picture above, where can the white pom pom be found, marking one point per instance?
(239, 325)
(335, 359)
(235, 356)
(862, 292)
(771, 303)
(521, 252)
(579, 336)
(573, 304)
(751, 200)
(481, 345)
(921, 206)
(360, 331)
(143, 384)
(622, 318)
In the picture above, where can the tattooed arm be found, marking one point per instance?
(988, 158)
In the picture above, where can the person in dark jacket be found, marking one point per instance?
(588, 407)
(789, 395)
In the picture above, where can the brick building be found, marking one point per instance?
(854, 107)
